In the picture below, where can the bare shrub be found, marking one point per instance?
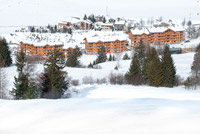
(179, 80)
(117, 79)
(191, 82)
(101, 81)
(97, 67)
(88, 80)
(75, 82)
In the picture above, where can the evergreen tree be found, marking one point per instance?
(126, 57)
(70, 31)
(54, 81)
(140, 50)
(155, 74)
(5, 53)
(114, 58)
(189, 23)
(25, 88)
(90, 65)
(134, 75)
(72, 58)
(104, 20)
(196, 65)
(85, 17)
(168, 68)
(110, 58)
(33, 29)
(92, 18)
(101, 55)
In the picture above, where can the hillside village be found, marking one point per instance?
(117, 35)
(96, 74)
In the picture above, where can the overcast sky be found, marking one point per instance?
(24, 12)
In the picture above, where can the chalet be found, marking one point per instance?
(106, 26)
(119, 25)
(112, 45)
(75, 23)
(159, 36)
(99, 18)
(42, 50)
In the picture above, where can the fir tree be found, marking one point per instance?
(114, 58)
(90, 65)
(101, 55)
(72, 58)
(70, 31)
(126, 57)
(33, 29)
(92, 18)
(85, 17)
(168, 68)
(140, 50)
(155, 74)
(110, 58)
(25, 88)
(134, 75)
(5, 53)
(104, 20)
(196, 65)
(54, 80)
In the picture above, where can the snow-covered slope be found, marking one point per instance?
(182, 62)
(106, 109)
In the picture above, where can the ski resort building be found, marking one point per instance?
(42, 50)
(112, 45)
(158, 36)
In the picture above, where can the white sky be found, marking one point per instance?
(25, 12)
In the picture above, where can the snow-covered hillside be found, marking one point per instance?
(106, 109)
(182, 62)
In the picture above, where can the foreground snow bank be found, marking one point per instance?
(106, 109)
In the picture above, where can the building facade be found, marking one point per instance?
(31, 49)
(115, 46)
(157, 36)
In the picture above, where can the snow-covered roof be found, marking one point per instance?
(139, 31)
(74, 20)
(106, 24)
(120, 22)
(108, 38)
(154, 30)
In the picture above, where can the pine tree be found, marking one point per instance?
(110, 58)
(114, 58)
(168, 68)
(140, 50)
(85, 17)
(92, 18)
(54, 80)
(5, 53)
(196, 65)
(104, 20)
(155, 74)
(90, 65)
(72, 58)
(25, 88)
(33, 29)
(134, 75)
(101, 55)
(126, 57)
(70, 31)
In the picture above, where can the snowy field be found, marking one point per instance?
(106, 109)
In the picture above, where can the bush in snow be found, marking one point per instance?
(116, 79)
(75, 82)
(88, 80)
